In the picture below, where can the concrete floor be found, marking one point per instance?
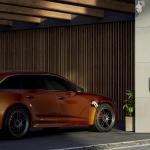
(67, 138)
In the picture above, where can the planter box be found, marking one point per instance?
(129, 124)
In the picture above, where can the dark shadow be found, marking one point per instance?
(54, 131)
(45, 139)
(35, 133)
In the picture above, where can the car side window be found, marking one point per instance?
(46, 82)
(11, 82)
(32, 82)
(56, 83)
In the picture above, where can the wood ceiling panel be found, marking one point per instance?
(34, 12)
(81, 10)
(6, 23)
(24, 18)
(114, 5)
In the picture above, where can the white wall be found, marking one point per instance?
(142, 71)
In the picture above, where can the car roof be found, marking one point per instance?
(7, 74)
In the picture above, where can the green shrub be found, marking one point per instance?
(129, 104)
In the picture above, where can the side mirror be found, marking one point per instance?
(79, 90)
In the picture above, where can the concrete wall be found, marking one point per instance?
(142, 71)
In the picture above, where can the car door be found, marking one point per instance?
(73, 108)
(42, 100)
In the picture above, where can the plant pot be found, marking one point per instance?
(129, 124)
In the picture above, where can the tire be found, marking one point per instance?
(104, 118)
(17, 122)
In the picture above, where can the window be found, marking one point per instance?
(11, 82)
(23, 82)
(32, 82)
(46, 82)
(56, 83)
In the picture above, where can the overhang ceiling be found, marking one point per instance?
(36, 11)
(128, 1)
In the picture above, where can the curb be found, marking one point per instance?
(108, 146)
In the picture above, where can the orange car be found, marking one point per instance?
(43, 100)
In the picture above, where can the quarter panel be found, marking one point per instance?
(7, 99)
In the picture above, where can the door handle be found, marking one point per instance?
(60, 98)
(29, 97)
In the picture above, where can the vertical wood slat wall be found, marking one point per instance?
(98, 57)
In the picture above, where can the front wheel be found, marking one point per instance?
(17, 122)
(104, 118)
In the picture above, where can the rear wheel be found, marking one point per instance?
(104, 118)
(17, 122)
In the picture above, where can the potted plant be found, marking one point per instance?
(129, 107)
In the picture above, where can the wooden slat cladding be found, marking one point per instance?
(98, 57)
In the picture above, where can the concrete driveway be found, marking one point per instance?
(69, 138)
